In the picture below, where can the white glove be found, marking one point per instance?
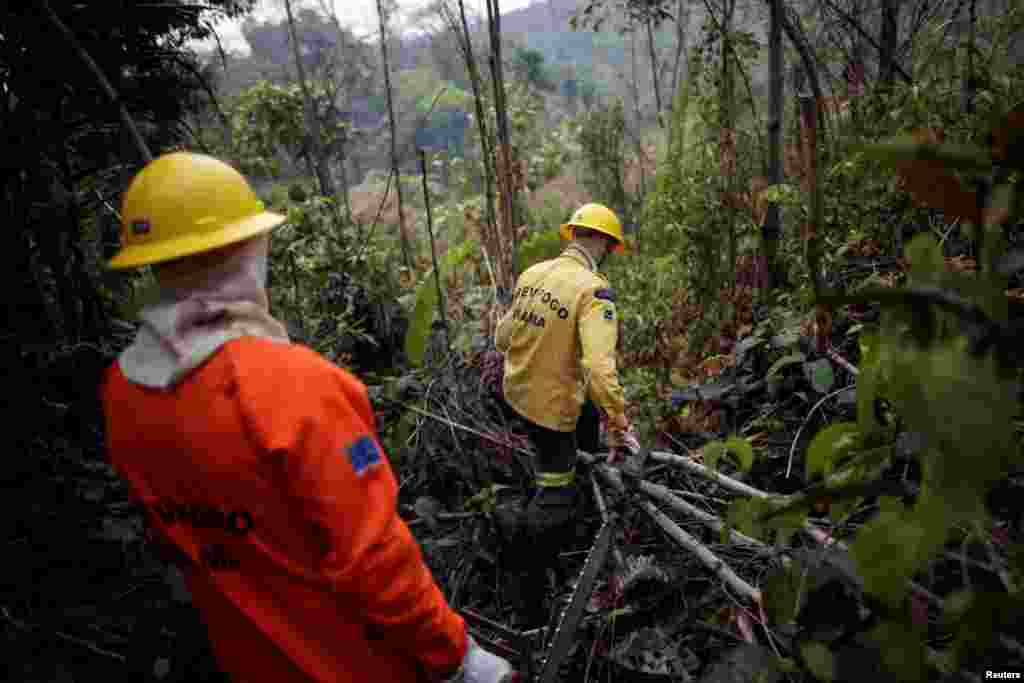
(624, 440)
(480, 666)
(626, 451)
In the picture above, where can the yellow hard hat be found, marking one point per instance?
(182, 204)
(596, 217)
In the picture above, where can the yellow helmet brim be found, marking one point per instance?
(168, 250)
(565, 230)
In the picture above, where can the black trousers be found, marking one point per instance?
(550, 515)
(556, 451)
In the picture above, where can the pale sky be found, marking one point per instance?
(359, 15)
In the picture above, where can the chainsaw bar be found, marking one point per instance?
(561, 641)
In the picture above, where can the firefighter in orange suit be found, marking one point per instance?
(559, 339)
(258, 461)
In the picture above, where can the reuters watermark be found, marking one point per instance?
(1002, 676)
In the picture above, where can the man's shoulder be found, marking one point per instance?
(262, 356)
(600, 286)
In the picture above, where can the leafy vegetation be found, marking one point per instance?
(858, 421)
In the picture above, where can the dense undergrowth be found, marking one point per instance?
(884, 411)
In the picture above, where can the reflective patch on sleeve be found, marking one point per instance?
(606, 294)
(363, 454)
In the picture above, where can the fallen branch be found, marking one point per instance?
(464, 428)
(696, 468)
(30, 628)
(668, 498)
(444, 517)
(807, 421)
(707, 558)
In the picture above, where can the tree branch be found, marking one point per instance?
(855, 25)
(108, 89)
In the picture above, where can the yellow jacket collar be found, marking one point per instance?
(580, 255)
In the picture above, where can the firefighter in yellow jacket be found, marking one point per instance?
(559, 339)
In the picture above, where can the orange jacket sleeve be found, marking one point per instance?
(315, 424)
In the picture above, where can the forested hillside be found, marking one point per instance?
(821, 310)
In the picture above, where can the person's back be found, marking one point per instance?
(544, 377)
(257, 460)
(559, 339)
(227, 467)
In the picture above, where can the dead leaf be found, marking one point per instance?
(725, 616)
(932, 185)
(962, 264)
(822, 323)
(888, 280)
(746, 627)
(714, 366)
(759, 440)
(1009, 135)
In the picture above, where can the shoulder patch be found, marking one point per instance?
(609, 314)
(363, 454)
(606, 294)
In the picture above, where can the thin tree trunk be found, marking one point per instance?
(313, 137)
(889, 42)
(682, 22)
(727, 146)
(508, 200)
(807, 60)
(394, 136)
(654, 70)
(637, 137)
(809, 116)
(469, 54)
(771, 231)
(433, 252)
(970, 85)
(328, 9)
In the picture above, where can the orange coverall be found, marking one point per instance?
(262, 467)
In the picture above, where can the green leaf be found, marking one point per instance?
(903, 650)
(830, 446)
(976, 617)
(712, 453)
(782, 591)
(903, 149)
(426, 303)
(896, 544)
(925, 256)
(819, 660)
(869, 383)
(784, 362)
(820, 374)
(787, 526)
(743, 451)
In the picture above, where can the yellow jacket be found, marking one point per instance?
(559, 338)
